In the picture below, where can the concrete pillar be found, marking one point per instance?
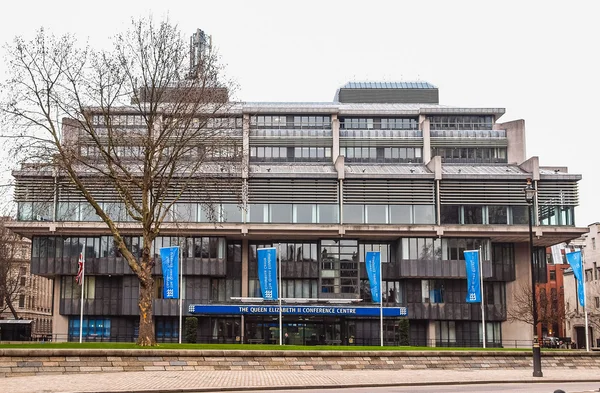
(60, 323)
(425, 129)
(516, 330)
(245, 267)
(335, 130)
(431, 334)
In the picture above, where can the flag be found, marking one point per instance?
(473, 276)
(574, 259)
(373, 266)
(267, 272)
(170, 268)
(79, 269)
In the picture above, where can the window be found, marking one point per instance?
(552, 274)
(91, 328)
(597, 301)
(432, 291)
(21, 301)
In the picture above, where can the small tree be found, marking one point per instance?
(191, 329)
(404, 329)
(130, 130)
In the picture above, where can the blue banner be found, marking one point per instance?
(574, 259)
(170, 268)
(296, 310)
(267, 272)
(373, 265)
(473, 278)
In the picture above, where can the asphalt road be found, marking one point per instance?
(575, 387)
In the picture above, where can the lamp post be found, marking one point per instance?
(530, 192)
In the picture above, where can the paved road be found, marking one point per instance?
(577, 387)
(226, 380)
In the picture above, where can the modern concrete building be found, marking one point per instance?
(382, 167)
(575, 318)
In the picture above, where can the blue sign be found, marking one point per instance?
(224, 309)
(473, 278)
(170, 269)
(267, 272)
(373, 265)
(574, 259)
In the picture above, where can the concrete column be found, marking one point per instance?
(516, 330)
(245, 267)
(335, 130)
(60, 323)
(245, 145)
(431, 334)
(425, 129)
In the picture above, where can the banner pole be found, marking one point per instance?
(380, 297)
(279, 292)
(82, 289)
(587, 329)
(482, 295)
(180, 292)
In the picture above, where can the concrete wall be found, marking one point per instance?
(60, 323)
(517, 147)
(514, 330)
(23, 362)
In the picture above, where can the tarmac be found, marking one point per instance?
(246, 380)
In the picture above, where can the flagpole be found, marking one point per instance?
(380, 298)
(587, 329)
(82, 289)
(279, 293)
(482, 294)
(180, 292)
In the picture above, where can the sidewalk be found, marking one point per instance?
(214, 381)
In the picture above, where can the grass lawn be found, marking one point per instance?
(244, 347)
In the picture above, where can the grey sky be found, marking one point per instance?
(539, 60)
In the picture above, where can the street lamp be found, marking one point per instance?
(530, 192)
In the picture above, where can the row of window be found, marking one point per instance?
(275, 121)
(310, 213)
(206, 153)
(286, 154)
(461, 122)
(140, 121)
(378, 123)
(476, 214)
(471, 154)
(382, 154)
(68, 248)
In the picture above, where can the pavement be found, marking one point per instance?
(227, 380)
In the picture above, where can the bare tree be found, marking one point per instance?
(11, 259)
(131, 131)
(548, 310)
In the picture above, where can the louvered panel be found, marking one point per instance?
(468, 142)
(292, 190)
(371, 191)
(34, 189)
(556, 193)
(202, 190)
(482, 192)
(381, 142)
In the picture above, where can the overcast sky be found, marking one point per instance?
(537, 59)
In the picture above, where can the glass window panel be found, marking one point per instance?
(327, 214)
(473, 214)
(450, 214)
(281, 213)
(497, 215)
(353, 214)
(424, 214)
(258, 212)
(376, 214)
(304, 214)
(230, 212)
(520, 215)
(401, 214)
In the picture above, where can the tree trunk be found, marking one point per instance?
(10, 305)
(146, 330)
